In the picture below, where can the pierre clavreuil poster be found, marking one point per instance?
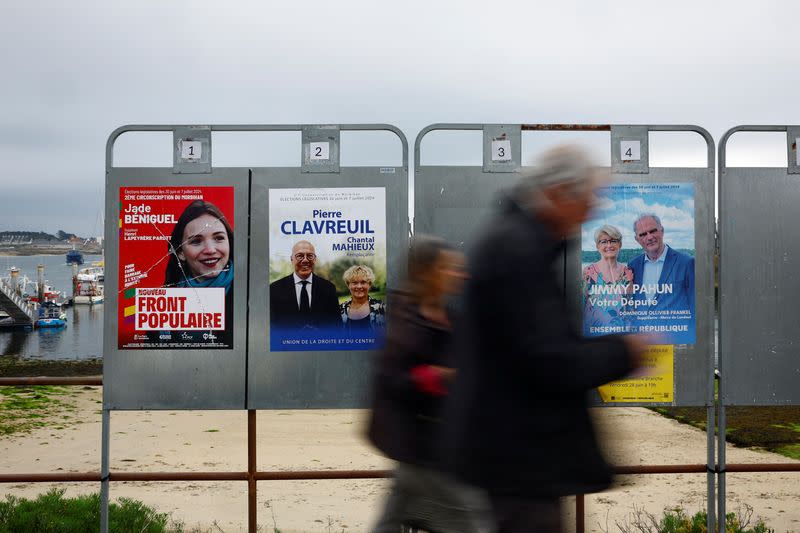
(638, 271)
(176, 267)
(327, 268)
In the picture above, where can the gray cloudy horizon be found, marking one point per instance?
(73, 72)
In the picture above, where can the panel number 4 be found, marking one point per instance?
(630, 150)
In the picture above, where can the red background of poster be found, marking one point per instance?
(150, 256)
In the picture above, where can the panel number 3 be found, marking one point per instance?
(501, 150)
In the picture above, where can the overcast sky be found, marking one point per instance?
(74, 71)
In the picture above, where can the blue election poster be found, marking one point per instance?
(637, 259)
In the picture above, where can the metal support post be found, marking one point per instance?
(252, 467)
(721, 454)
(710, 470)
(580, 512)
(104, 469)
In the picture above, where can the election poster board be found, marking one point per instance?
(176, 268)
(638, 276)
(327, 268)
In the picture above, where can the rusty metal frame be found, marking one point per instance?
(252, 475)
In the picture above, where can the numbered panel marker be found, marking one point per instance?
(320, 151)
(501, 150)
(191, 150)
(630, 150)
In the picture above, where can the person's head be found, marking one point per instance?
(359, 279)
(608, 240)
(649, 233)
(201, 243)
(435, 268)
(560, 187)
(303, 259)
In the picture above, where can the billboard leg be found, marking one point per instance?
(104, 470)
(711, 503)
(721, 453)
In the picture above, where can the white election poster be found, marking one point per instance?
(327, 268)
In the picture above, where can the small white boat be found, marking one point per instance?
(92, 273)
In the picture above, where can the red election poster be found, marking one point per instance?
(175, 268)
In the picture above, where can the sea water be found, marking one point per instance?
(82, 338)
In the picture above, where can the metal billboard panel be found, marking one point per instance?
(692, 367)
(454, 201)
(166, 378)
(759, 275)
(314, 378)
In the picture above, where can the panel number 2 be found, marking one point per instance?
(630, 150)
(501, 150)
(319, 151)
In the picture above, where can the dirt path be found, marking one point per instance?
(287, 440)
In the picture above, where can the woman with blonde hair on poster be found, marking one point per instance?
(361, 312)
(606, 282)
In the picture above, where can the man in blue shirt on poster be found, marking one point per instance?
(662, 274)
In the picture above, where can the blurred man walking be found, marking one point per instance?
(517, 422)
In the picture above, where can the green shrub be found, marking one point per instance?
(677, 521)
(52, 513)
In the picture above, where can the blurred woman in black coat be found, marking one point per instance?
(411, 380)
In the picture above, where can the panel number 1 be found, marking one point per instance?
(191, 150)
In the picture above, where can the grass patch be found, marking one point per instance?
(773, 428)
(25, 408)
(793, 451)
(51, 512)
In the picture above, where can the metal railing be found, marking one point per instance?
(252, 475)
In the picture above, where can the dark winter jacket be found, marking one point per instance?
(406, 396)
(516, 421)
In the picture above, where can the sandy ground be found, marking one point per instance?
(287, 440)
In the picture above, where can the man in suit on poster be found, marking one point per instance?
(661, 268)
(303, 299)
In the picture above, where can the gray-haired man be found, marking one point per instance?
(517, 422)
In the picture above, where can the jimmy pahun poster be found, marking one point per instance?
(176, 268)
(327, 268)
(638, 267)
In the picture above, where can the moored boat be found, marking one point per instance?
(88, 292)
(74, 256)
(51, 316)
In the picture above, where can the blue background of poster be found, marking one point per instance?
(673, 319)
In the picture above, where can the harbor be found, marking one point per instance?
(70, 314)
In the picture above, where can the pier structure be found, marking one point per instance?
(11, 301)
